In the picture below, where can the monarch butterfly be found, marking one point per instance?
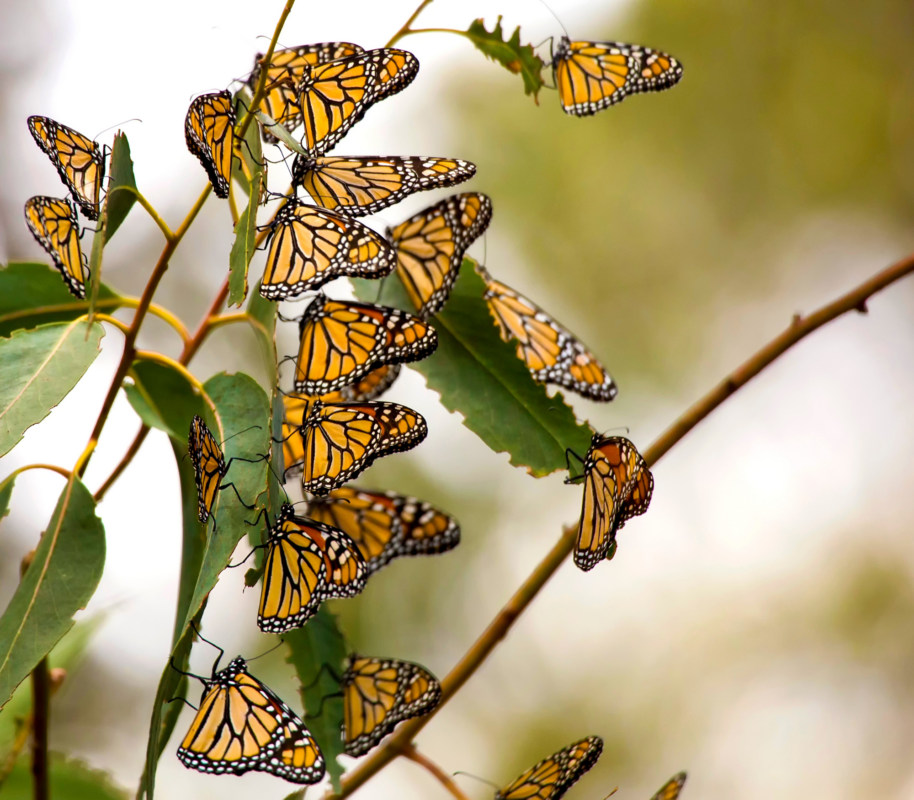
(386, 525)
(341, 342)
(209, 467)
(242, 726)
(591, 76)
(335, 95)
(284, 75)
(79, 161)
(307, 562)
(671, 789)
(553, 776)
(310, 246)
(431, 244)
(360, 185)
(54, 224)
(372, 386)
(551, 353)
(343, 439)
(209, 130)
(378, 694)
(617, 486)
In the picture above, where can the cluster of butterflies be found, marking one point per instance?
(349, 354)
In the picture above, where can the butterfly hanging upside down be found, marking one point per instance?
(553, 776)
(617, 486)
(591, 76)
(241, 726)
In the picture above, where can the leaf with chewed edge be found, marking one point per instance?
(511, 54)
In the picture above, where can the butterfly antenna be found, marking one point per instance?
(476, 778)
(556, 17)
(116, 125)
(280, 643)
(193, 624)
(239, 434)
(611, 793)
(617, 428)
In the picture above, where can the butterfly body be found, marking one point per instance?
(307, 562)
(551, 352)
(553, 776)
(54, 224)
(335, 95)
(241, 726)
(430, 247)
(386, 525)
(591, 76)
(617, 486)
(284, 76)
(343, 439)
(209, 130)
(341, 342)
(361, 185)
(378, 694)
(310, 246)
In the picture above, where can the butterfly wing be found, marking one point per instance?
(242, 726)
(54, 224)
(551, 352)
(209, 466)
(591, 76)
(310, 246)
(341, 342)
(671, 789)
(431, 244)
(284, 75)
(360, 185)
(209, 130)
(553, 776)
(343, 439)
(378, 694)
(336, 95)
(642, 489)
(78, 159)
(426, 530)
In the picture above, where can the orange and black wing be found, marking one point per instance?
(310, 246)
(343, 439)
(378, 694)
(671, 789)
(334, 96)
(431, 244)
(209, 130)
(613, 471)
(54, 224)
(551, 352)
(209, 465)
(284, 76)
(307, 562)
(426, 529)
(341, 342)
(360, 185)
(79, 161)
(553, 776)
(591, 76)
(241, 726)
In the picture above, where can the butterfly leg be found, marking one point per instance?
(235, 490)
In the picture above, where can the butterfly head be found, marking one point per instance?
(236, 666)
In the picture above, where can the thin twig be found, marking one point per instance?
(41, 696)
(128, 457)
(405, 31)
(446, 780)
(799, 328)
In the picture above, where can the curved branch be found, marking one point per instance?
(443, 778)
(799, 329)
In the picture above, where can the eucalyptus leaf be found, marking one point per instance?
(95, 260)
(72, 779)
(38, 368)
(121, 187)
(510, 53)
(244, 245)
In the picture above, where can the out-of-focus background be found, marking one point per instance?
(757, 625)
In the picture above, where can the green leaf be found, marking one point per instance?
(479, 375)
(317, 652)
(70, 778)
(514, 57)
(6, 493)
(244, 245)
(63, 575)
(280, 133)
(38, 368)
(251, 150)
(34, 294)
(241, 405)
(119, 200)
(95, 261)
(264, 313)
